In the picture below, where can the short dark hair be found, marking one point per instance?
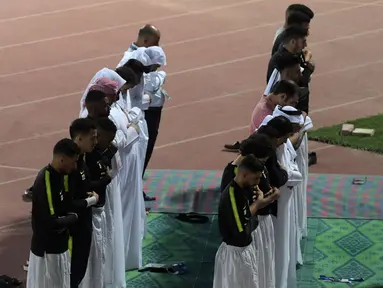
(66, 147)
(126, 73)
(106, 124)
(277, 127)
(259, 145)
(301, 8)
(135, 65)
(81, 126)
(294, 32)
(297, 18)
(285, 60)
(286, 87)
(94, 96)
(251, 164)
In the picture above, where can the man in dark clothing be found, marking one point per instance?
(49, 260)
(294, 18)
(234, 219)
(83, 133)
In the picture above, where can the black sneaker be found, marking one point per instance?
(232, 147)
(27, 195)
(148, 198)
(312, 158)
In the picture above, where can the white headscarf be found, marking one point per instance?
(147, 56)
(284, 111)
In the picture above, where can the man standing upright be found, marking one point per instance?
(149, 36)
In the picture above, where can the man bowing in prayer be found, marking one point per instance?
(142, 96)
(125, 76)
(114, 262)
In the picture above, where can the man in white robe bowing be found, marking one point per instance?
(285, 225)
(130, 182)
(127, 76)
(152, 58)
(113, 273)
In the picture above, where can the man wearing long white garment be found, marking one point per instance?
(115, 258)
(133, 211)
(125, 76)
(285, 225)
(152, 58)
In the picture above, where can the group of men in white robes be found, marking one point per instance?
(286, 97)
(129, 91)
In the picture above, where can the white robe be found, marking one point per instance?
(50, 271)
(235, 267)
(264, 245)
(131, 185)
(302, 161)
(94, 276)
(103, 73)
(137, 97)
(115, 256)
(284, 224)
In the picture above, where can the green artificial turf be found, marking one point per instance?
(331, 135)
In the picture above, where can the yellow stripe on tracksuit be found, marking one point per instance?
(50, 202)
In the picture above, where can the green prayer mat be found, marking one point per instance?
(334, 247)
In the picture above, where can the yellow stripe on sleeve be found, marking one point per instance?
(49, 192)
(235, 210)
(66, 183)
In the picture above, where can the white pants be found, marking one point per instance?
(263, 242)
(235, 267)
(94, 277)
(50, 271)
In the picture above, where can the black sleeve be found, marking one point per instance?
(277, 175)
(277, 43)
(303, 103)
(233, 210)
(227, 177)
(76, 204)
(41, 208)
(97, 185)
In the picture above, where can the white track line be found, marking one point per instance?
(226, 33)
(196, 12)
(25, 103)
(17, 180)
(247, 126)
(62, 11)
(13, 225)
(38, 136)
(18, 168)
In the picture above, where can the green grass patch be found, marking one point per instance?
(331, 135)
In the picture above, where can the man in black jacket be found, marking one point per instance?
(49, 260)
(83, 133)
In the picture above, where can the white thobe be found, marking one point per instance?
(236, 267)
(302, 161)
(115, 260)
(103, 73)
(94, 276)
(137, 96)
(132, 201)
(153, 83)
(50, 271)
(284, 224)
